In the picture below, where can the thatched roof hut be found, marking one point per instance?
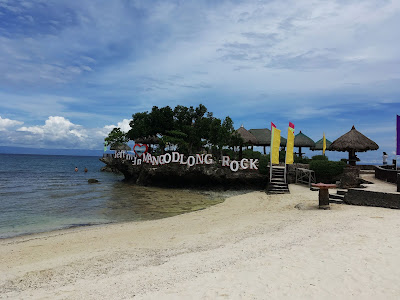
(120, 147)
(247, 137)
(353, 141)
(301, 140)
(263, 137)
(320, 143)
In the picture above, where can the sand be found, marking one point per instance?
(252, 246)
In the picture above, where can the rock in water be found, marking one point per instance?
(92, 180)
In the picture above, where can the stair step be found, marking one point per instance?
(336, 196)
(314, 189)
(278, 192)
(341, 192)
(336, 201)
(279, 185)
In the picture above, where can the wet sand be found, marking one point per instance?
(252, 246)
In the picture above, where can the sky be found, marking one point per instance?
(70, 71)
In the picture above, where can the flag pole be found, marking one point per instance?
(397, 140)
(270, 154)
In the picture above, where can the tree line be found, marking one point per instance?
(188, 130)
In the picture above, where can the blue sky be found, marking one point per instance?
(72, 70)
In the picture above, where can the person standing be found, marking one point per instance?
(384, 158)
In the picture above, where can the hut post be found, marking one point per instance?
(300, 154)
(265, 150)
(352, 157)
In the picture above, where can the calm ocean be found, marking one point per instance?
(40, 193)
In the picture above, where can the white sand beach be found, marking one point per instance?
(252, 246)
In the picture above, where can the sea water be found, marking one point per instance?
(40, 193)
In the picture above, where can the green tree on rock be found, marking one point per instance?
(116, 137)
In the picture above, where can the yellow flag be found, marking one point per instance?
(290, 144)
(275, 143)
(323, 144)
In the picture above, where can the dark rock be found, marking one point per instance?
(110, 169)
(92, 180)
(371, 198)
(198, 176)
(350, 177)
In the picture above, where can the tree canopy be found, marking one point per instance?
(189, 129)
(116, 137)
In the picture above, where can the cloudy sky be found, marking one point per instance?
(72, 70)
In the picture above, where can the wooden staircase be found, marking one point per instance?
(277, 184)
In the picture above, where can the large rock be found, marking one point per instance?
(350, 177)
(199, 176)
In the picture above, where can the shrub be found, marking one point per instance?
(319, 157)
(301, 160)
(248, 153)
(263, 164)
(228, 152)
(327, 171)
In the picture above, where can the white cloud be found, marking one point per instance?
(7, 123)
(57, 129)
(124, 125)
(56, 132)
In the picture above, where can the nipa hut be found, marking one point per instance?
(247, 137)
(352, 142)
(301, 140)
(320, 143)
(263, 137)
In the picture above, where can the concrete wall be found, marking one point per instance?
(386, 173)
(369, 198)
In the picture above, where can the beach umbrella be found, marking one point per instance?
(301, 140)
(352, 142)
(320, 143)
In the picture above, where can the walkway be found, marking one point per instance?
(378, 185)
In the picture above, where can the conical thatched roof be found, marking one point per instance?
(353, 140)
(120, 147)
(319, 144)
(247, 137)
(148, 140)
(263, 137)
(301, 140)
